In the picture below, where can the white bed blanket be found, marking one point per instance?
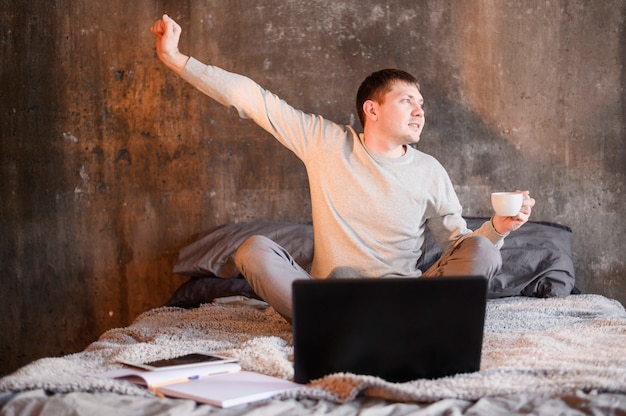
(532, 347)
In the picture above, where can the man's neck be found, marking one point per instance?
(383, 148)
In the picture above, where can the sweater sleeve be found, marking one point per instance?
(454, 229)
(300, 132)
(487, 230)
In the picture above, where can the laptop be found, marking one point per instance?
(399, 329)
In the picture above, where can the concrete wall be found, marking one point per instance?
(110, 163)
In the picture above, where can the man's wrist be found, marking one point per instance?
(176, 61)
(493, 225)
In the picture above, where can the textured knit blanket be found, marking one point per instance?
(531, 346)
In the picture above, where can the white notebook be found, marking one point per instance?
(226, 390)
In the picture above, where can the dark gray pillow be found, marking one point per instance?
(536, 261)
(213, 252)
(199, 290)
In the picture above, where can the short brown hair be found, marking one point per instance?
(377, 84)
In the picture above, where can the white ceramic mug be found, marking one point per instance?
(507, 204)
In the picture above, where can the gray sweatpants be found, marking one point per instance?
(271, 270)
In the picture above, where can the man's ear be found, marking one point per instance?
(370, 109)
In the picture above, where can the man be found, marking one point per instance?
(372, 194)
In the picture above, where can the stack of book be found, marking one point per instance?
(221, 383)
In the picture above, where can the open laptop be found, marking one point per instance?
(399, 329)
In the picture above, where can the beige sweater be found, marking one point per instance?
(369, 212)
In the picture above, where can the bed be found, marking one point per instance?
(548, 349)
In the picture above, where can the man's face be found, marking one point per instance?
(401, 114)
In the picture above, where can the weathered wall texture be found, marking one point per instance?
(110, 163)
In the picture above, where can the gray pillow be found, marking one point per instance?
(198, 290)
(213, 252)
(536, 261)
